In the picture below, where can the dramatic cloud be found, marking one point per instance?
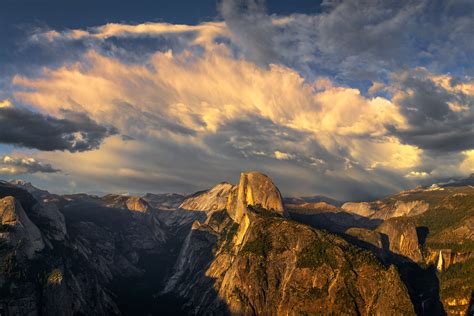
(360, 39)
(203, 34)
(23, 165)
(439, 109)
(75, 132)
(361, 99)
(350, 40)
(226, 111)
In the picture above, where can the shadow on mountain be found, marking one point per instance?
(140, 292)
(422, 233)
(423, 286)
(422, 282)
(470, 309)
(26, 199)
(335, 222)
(137, 295)
(188, 281)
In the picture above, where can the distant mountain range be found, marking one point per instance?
(237, 249)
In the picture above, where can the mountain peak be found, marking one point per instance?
(210, 200)
(255, 189)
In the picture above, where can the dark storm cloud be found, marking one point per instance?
(434, 124)
(76, 132)
(358, 38)
(23, 165)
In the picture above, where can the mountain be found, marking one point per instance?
(167, 201)
(430, 226)
(251, 259)
(235, 249)
(213, 199)
(311, 199)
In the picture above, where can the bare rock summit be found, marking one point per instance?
(255, 189)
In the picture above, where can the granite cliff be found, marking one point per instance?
(235, 249)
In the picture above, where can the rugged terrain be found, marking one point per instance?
(236, 249)
(426, 232)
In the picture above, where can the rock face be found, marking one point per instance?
(55, 223)
(17, 228)
(360, 208)
(238, 254)
(213, 199)
(322, 215)
(250, 259)
(132, 203)
(279, 267)
(403, 237)
(383, 210)
(255, 189)
(401, 208)
(69, 255)
(166, 201)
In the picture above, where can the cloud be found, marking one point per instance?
(75, 132)
(5, 104)
(375, 87)
(228, 115)
(187, 98)
(439, 110)
(282, 94)
(350, 40)
(23, 165)
(203, 34)
(467, 166)
(283, 156)
(251, 28)
(417, 174)
(357, 38)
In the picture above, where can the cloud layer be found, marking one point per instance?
(359, 100)
(75, 132)
(24, 165)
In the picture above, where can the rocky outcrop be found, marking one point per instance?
(165, 201)
(460, 233)
(37, 193)
(131, 203)
(444, 258)
(322, 215)
(402, 237)
(311, 199)
(255, 189)
(268, 265)
(402, 208)
(374, 241)
(17, 229)
(54, 223)
(137, 204)
(213, 199)
(250, 259)
(115, 254)
(361, 208)
(384, 210)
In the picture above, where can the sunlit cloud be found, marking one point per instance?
(283, 156)
(205, 33)
(24, 165)
(323, 100)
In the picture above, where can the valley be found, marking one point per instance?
(238, 250)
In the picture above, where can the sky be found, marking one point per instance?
(352, 99)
